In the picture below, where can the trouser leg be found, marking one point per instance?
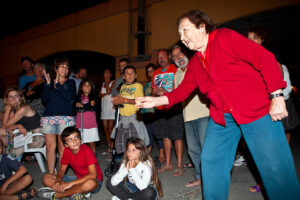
(271, 153)
(217, 158)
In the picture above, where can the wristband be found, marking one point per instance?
(271, 96)
(125, 100)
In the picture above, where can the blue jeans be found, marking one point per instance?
(68, 179)
(270, 151)
(195, 134)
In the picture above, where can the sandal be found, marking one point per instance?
(30, 193)
(256, 189)
(188, 165)
(178, 171)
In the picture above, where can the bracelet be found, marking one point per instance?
(271, 96)
(125, 100)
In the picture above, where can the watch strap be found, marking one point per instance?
(271, 96)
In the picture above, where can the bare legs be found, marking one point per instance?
(85, 187)
(168, 148)
(108, 126)
(50, 140)
(16, 187)
(288, 136)
(92, 145)
(179, 151)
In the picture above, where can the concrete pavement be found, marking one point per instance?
(174, 187)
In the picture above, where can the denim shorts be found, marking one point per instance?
(67, 179)
(56, 124)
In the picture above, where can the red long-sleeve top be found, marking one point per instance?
(236, 74)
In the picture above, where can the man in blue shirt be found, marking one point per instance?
(29, 76)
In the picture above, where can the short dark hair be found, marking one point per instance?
(129, 67)
(69, 131)
(198, 17)
(182, 49)
(154, 66)
(163, 49)
(61, 60)
(125, 60)
(261, 32)
(26, 58)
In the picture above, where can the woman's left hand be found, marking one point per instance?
(277, 109)
(22, 129)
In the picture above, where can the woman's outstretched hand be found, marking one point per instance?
(150, 102)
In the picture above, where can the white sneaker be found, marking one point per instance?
(239, 161)
(115, 198)
(45, 193)
(87, 195)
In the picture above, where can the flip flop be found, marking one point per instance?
(178, 171)
(257, 189)
(156, 162)
(28, 192)
(188, 165)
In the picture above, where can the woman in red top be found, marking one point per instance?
(244, 84)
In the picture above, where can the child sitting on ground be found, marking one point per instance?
(137, 178)
(12, 185)
(84, 164)
(130, 124)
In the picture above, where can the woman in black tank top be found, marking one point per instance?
(19, 115)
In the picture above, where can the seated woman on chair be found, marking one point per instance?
(18, 115)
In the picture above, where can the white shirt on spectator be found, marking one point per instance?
(140, 176)
(286, 77)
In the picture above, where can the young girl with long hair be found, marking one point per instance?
(86, 100)
(137, 177)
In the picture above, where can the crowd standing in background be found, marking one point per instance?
(231, 87)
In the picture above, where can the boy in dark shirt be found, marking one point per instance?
(11, 184)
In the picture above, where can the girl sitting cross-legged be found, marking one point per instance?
(137, 177)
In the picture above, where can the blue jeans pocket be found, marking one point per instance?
(131, 187)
